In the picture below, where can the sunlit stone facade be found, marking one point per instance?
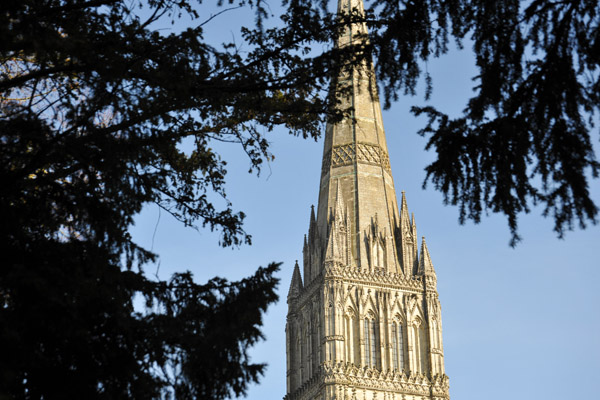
(364, 319)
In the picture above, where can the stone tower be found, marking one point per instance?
(365, 323)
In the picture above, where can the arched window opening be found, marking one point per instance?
(371, 342)
(417, 356)
(299, 354)
(352, 334)
(423, 349)
(331, 319)
(367, 343)
(318, 358)
(330, 331)
(397, 346)
(309, 347)
(348, 337)
(374, 344)
(400, 347)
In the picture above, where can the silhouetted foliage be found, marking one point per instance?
(95, 103)
(94, 106)
(525, 136)
(69, 330)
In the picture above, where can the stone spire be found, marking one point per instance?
(355, 159)
(425, 266)
(367, 320)
(296, 284)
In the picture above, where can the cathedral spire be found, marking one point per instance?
(356, 165)
(367, 320)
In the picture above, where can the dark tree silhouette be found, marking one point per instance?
(94, 105)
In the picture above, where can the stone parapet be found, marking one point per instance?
(371, 379)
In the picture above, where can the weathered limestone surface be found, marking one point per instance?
(365, 322)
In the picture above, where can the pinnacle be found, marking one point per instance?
(333, 250)
(296, 284)
(425, 266)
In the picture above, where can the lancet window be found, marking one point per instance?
(316, 340)
(436, 343)
(371, 341)
(331, 319)
(308, 336)
(420, 346)
(434, 331)
(299, 352)
(331, 330)
(397, 346)
(351, 335)
(424, 351)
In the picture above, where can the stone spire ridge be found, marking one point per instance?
(296, 284)
(425, 265)
(356, 179)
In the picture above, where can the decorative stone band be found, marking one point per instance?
(349, 375)
(333, 338)
(366, 153)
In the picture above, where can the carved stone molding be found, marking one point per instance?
(350, 375)
(333, 337)
(366, 153)
(361, 276)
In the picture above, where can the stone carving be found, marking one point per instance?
(366, 153)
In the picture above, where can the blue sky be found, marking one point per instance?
(518, 323)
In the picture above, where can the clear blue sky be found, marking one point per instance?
(519, 323)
